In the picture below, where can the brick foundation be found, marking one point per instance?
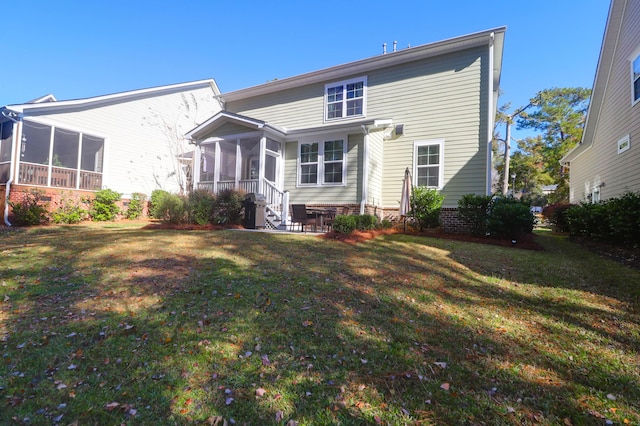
(54, 198)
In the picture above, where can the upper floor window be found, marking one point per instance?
(322, 163)
(346, 99)
(428, 163)
(636, 78)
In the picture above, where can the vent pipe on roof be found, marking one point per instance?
(395, 45)
(384, 48)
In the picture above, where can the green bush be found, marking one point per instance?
(228, 208)
(509, 218)
(103, 206)
(69, 211)
(556, 215)
(156, 200)
(624, 220)
(136, 206)
(171, 208)
(425, 207)
(365, 222)
(32, 211)
(345, 224)
(386, 224)
(200, 206)
(474, 210)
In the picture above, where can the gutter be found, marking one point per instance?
(11, 168)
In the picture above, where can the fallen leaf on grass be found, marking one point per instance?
(112, 405)
(279, 415)
(260, 392)
(307, 323)
(441, 364)
(445, 386)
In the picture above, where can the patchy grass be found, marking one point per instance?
(112, 323)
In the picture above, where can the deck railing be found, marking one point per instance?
(38, 174)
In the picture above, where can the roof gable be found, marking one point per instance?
(493, 37)
(45, 104)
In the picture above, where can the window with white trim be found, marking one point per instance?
(428, 163)
(322, 163)
(635, 76)
(309, 163)
(345, 99)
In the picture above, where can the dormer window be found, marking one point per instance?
(345, 99)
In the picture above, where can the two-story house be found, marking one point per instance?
(344, 136)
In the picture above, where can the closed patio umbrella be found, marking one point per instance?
(405, 199)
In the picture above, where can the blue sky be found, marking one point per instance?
(79, 49)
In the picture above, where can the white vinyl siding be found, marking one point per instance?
(142, 136)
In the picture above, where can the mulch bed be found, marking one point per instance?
(526, 242)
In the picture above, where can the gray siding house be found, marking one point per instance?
(606, 163)
(128, 142)
(344, 136)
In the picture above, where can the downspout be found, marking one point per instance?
(490, 116)
(14, 150)
(365, 168)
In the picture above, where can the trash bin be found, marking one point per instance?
(249, 212)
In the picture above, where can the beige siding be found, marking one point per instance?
(443, 97)
(349, 194)
(143, 136)
(601, 164)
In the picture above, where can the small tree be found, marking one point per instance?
(425, 206)
(136, 206)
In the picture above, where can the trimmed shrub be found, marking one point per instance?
(136, 206)
(474, 210)
(103, 206)
(156, 200)
(509, 218)
(624, 220)
(69, 211)
(345, 224)
(228, 208)
(200, 206)
(171, 208)
(556, 215)
(366, 222)
(32, 211)
(589, 220)
(425, 207)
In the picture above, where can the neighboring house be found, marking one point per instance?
(128, 142)
(343, 136)
(606, 163)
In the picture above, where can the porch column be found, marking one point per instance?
(197, 161)
(263, 148)
(216, 170)
(238, 165)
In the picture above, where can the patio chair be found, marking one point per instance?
(300, 216)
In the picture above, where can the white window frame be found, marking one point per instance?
(344, 99)
(440, 144)
(635, 62)
(321, 160)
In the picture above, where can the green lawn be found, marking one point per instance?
(111, 324)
